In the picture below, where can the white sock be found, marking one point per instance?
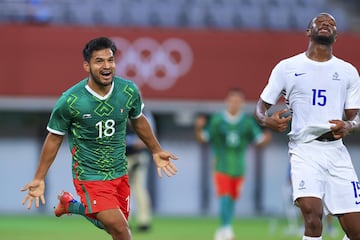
(311, 238)
(346, 238)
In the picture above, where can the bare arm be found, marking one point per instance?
(275, 122)
(265, 140)
(36, 187)
(142, 128)
(200, 122)
(161, 158)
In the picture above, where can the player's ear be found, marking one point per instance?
(86, 66)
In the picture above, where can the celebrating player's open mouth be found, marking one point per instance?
(107, 75)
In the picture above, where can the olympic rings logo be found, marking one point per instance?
(146, 61)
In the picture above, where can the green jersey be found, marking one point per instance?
(229, 138)
(96, 127)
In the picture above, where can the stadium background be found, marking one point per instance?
(231, 42)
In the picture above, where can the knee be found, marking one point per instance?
(313, 221)
(312, 214)
(121, 233)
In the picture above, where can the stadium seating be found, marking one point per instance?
(224, 14)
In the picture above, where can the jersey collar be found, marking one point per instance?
(99, 96)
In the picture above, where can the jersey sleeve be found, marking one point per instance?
(60, 116)
(353, 91)
(137, 104)
(275, 85)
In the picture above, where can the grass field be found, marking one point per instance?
(164, 228)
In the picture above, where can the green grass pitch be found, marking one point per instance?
(44, 227)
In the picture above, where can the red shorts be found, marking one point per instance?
(228, 185)
(98, 196)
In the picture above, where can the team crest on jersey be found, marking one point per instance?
(336, 77)
(122, 110)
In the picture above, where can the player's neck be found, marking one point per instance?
(98, 88)
(319, 53)
(233, 113)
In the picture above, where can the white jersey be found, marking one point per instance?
(315, 92)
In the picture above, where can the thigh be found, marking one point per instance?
(112, 217)
(350, 222)
(114, 223)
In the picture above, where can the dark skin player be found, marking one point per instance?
(322, 34)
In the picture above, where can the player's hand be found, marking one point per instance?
(200, 122)
(163, 163)
(36, 189)
(278, 122)
(340, 128)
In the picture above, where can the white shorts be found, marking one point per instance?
(324, 170)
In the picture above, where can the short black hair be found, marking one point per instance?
(236, 90)
(98, 44)
(310, 23)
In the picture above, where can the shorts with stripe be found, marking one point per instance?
(98, 196)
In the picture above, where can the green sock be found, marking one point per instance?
(226, 210)
(78, 208)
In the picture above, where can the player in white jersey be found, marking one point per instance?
(322, 93)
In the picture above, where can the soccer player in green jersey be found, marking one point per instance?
(94, 113)
(229, 133)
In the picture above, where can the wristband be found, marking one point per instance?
(355, 123)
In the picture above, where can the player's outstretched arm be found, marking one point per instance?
(161, 157)
(36, 188)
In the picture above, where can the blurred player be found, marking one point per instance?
(319, 89)
(229, 133)
(330, 228)
(94, 114)
(292, 213)
(139, 159)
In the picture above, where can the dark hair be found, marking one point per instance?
(236, 90)
(98, 44)
(310, 23)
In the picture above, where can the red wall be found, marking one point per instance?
(44, 61)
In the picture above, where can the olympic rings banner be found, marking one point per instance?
(174, 64)
(149, 62)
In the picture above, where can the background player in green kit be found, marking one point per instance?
(229, 133)
(94, 113)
